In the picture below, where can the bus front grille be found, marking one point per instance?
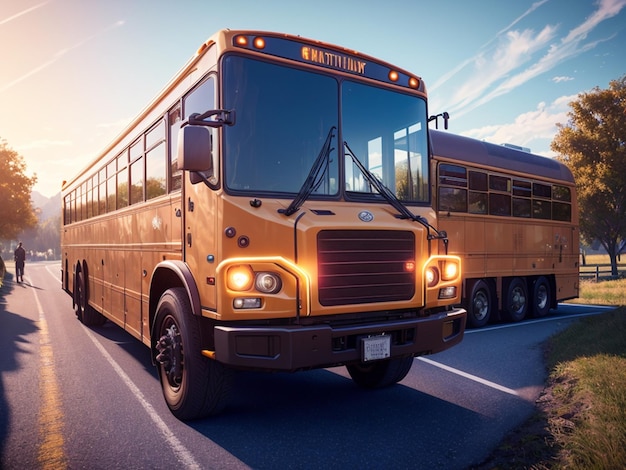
(361, 266)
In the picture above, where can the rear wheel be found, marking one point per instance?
(79, 294)
(85, 312)
(380, 374)
(541, 297)
(194, 386)
(516, 300)
(480, 305)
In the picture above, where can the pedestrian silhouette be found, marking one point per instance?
(20, 259)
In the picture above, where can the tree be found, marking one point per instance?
(16, 210)
(593, 145)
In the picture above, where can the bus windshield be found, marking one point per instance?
(283, 119)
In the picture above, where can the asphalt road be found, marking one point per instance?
(75, 397)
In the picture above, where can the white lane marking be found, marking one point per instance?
(177, 447)
(469, 376)
(175, 444)
(602, 309)
(56, 275)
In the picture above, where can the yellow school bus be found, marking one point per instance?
(269, 210)
(512, 217)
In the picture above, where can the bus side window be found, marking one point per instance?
(478, 202)
(156, 168)
(175, 175)
(452, 199)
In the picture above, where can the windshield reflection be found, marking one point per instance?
(283, 118)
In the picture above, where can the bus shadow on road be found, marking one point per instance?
(319, 419)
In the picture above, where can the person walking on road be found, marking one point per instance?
(20, 259)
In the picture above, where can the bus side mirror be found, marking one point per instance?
(194, 149)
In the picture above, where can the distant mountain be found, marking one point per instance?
(49, 206)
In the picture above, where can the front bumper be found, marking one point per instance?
(291, 348)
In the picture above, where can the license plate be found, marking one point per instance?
(376, 347)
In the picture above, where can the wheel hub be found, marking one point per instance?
(171, 355)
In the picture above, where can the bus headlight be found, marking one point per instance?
(432, 276)
(240, 278)
(268, 283)
(450, 270)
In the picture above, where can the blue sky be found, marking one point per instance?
(73, 73)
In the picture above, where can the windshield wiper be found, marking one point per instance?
(315, 176)
(391, 198)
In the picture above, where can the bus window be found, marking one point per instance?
(96, 199)
(452, 199)
(562, 211)
(478, 181)
(561, 193)
(521, 207)
(66, 210)
(200, 99)
(542, 209)
(102, 201)
(122, 180)
(522, 188)
(89, 211)
(156, 173)
(174, 119)
(111, 185)
(453, 175)
(122, 188)
(477, 202)
(500, 183)
(542, 190)
(136, 181)
(499, 204)
(156, 135)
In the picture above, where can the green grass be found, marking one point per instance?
(587, 416)
(580, 421)
(612, 292)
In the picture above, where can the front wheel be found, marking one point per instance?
(380, 374)
(194, 386)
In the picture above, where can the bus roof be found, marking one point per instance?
(482, 153)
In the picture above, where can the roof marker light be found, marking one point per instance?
(241, 40)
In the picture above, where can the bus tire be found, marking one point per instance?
(480, 305)
(541, 297)
(91, 317)
(193, 385)
(88, 315)
(516, 300)
(380, 374)
(80, 294)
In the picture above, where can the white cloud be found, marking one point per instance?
(562, 79)
(529, 129)
(23, 12)
(498, 70)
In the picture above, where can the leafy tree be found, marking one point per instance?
(16, 210)
(593, 145)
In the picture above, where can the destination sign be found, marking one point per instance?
(334, 60)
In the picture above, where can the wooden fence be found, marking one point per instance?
(601, 272)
